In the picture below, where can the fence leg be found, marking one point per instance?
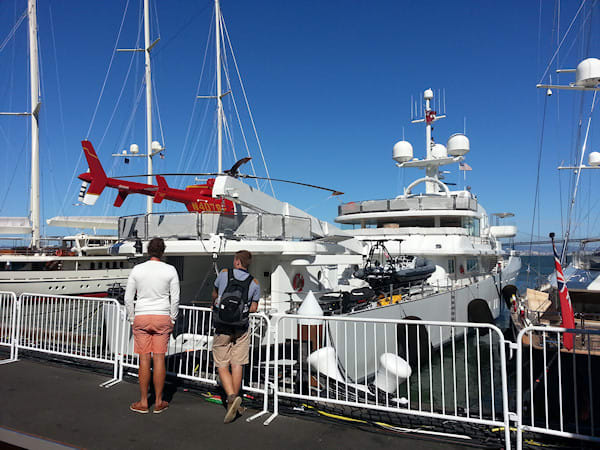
(265, 409)
(14, 334)
(117, 334)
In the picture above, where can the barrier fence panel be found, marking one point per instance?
(75, 327)
(558, 390)
(189, 352)
(8, 325)
(440, 370)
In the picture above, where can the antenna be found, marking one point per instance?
(465, 126)
(411, 110)
(444, 100)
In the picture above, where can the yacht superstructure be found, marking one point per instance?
(449, 228)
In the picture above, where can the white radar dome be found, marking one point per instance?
(403, 151)
(458, 145)
(594, 159)
(587, 73)
(439, 151)
(133, 148)
(156, 147)
(428, 94)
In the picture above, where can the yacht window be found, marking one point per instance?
(92, 266)
(450, 222)
(120, 264)
(471, 224)
(472, 265)
(451, 268)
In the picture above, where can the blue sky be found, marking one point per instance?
(329, 84)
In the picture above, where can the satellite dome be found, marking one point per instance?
(587, 73)
(156, 147)
(594, 159)
(428, 94)
(439, 151)
(403, 151)
(133, 148)
(458, 145)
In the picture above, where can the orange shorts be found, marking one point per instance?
(151, 333)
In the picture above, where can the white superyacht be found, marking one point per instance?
(448, 230)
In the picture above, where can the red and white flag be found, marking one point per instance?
(566, 308)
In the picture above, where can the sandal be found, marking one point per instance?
(163, 406)
(136, 407)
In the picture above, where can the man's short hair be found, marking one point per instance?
(244, 257)
(156, 248)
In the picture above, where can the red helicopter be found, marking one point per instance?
(195, 198)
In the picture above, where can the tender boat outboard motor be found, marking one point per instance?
(397, 272)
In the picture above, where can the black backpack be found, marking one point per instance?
(233, 312)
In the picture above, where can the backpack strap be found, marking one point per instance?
(230, 276)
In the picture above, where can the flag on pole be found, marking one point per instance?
(566, 308)
(464, 166)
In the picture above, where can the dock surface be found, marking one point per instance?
(50, 406)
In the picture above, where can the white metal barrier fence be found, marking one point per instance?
(8, 323)
(558, 390)
(75, 327)
(189, 353)
(441, 370)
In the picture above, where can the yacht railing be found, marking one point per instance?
(194, 225)
(418, 203)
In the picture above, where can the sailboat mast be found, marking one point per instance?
(34, 76)
(219, 102)
(148, 100)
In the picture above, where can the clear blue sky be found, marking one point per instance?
(329, 84)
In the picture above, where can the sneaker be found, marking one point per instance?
(233, 404)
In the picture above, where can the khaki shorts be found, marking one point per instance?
(226, 352)
(151, 333)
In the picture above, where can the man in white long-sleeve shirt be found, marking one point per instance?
(153, 316)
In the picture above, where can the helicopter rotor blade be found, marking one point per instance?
(333, 191)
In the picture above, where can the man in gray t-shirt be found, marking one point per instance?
(239, 274)
(231, 347)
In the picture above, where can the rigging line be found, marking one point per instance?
(58, 84)
(156, 18)
(195, 103)
(12, 178)
(114, 111)
(248, 106)
(160, 124)
(195, 132)
(132, 60)
(561, 42)
(230, 137)
(13, 31)
(191, 19)
(578, 171)
(194, 139)
(241, 127)
(112, 58)
(537, 183)
(75, 167)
